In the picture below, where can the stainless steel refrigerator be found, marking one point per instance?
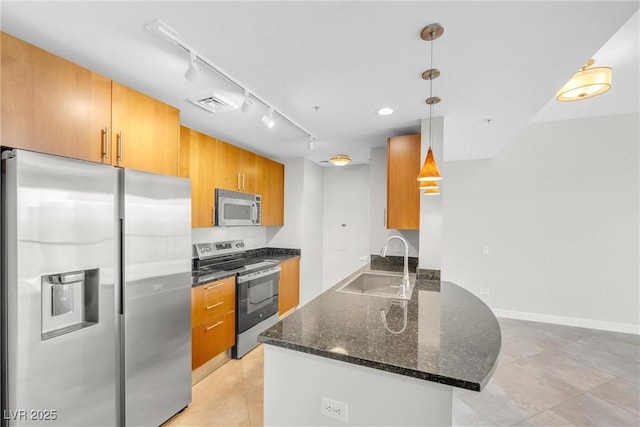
(96, 293)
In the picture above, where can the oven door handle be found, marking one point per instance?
(258, 274)
(261, 301)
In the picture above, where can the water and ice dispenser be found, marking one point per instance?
(69, 302)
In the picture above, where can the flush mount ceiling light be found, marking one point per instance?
(168, 34)
(586, 83)
(340, 160)
(385, 111)
(268, 120)
(430, 171)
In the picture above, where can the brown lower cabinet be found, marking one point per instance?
(289, 287)
(212, 320)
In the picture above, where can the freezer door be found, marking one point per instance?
(59, 342)
(157, 296)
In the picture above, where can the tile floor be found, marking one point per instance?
(548, 375)
(230, 396)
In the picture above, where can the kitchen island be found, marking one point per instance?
(395, 372)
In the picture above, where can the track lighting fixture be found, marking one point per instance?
(194, 70)
(268, 120)
(197, 61)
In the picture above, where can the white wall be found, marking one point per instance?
(311, 261)
(254, 237)
(290, 235)
(346, 221)
(431, 206)
(303, 193)
(378, 232)
(558, 210)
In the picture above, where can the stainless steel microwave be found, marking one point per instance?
(236, 208)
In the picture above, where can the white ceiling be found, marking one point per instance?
(502, 61)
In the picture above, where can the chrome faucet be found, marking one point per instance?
(405, 276)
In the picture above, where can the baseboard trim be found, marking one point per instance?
(626, 328)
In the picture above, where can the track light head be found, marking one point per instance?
(194, 70)
(268, 120)
(247, 103)
(311, 142)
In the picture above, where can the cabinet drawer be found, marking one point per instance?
(218, 298)
(212, 300)
(212, 338)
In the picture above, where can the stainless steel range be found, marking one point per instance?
(256, 287)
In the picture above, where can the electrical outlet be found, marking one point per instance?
(333, 408)
(484, 291)
(485, 250)
(396, 247)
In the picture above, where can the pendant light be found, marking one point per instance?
(586, 83)
(429, 185)
(430, 171)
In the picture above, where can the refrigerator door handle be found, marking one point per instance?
(66, 278)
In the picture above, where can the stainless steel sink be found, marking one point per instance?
(378, 284)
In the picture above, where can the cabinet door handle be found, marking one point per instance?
(214, 305)
(208, 288)
(238, 181)
(120, 144)
(243, 181)
(105, 142)
(218, 323)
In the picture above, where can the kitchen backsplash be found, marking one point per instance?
(254, 237)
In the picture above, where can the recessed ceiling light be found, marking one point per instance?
(385, 111)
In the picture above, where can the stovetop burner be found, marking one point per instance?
(228, 257)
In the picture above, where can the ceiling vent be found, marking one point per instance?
(216, 103)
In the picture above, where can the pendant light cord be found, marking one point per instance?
(431, 91)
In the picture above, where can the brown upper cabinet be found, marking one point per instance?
(403, 194)
(201, 158)
(51, 105)
(235, 168)
(146, 132)
(211, 164)
(271, 187)
(54, 106)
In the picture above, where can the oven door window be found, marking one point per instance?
(260, 295)
(257, 300)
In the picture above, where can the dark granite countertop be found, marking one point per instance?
(451, 336)
(273, 254)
